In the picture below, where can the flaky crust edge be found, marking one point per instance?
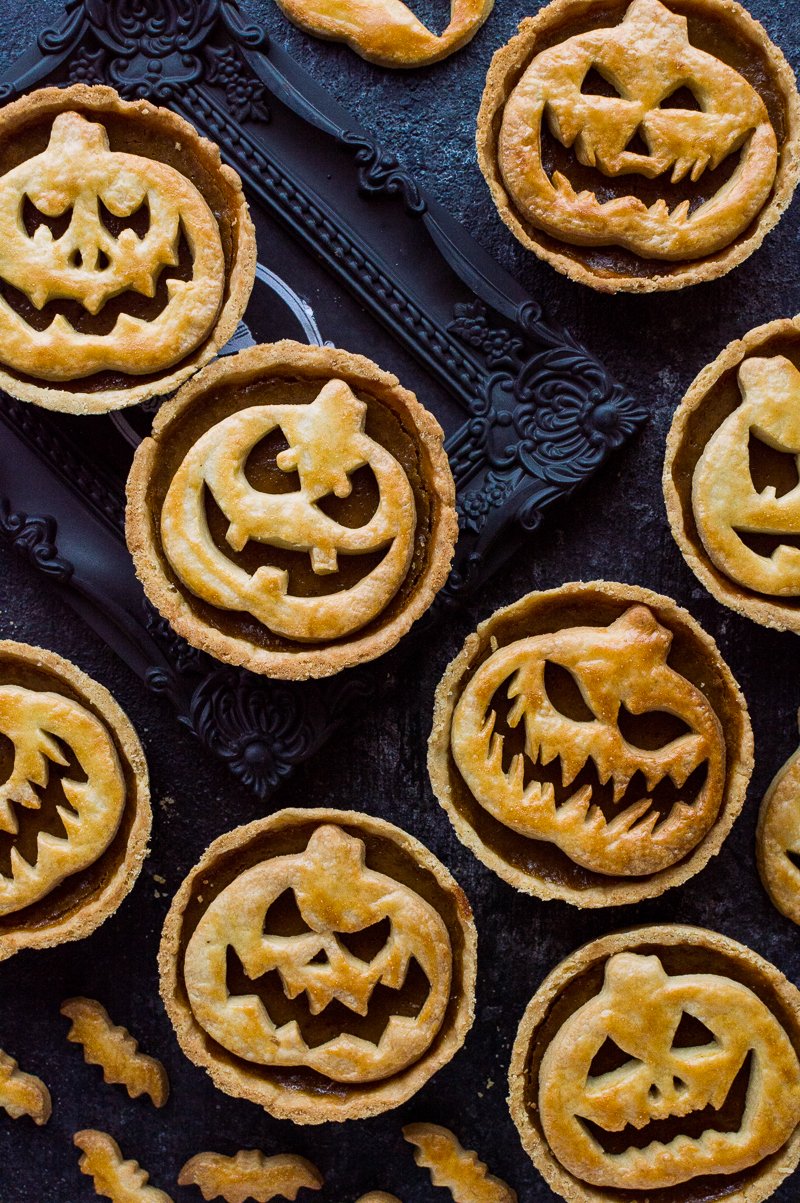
(615, 893)
(767, 854)
(562, 1182)
(100, 906)
(102, 99)
(496, 93)
(296, 1105)
(298, 359)
(766, 611)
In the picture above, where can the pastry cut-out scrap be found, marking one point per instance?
(114, 1049)
(457, 1169)
(250, 1175)
(386, 31)
(734, 1069)
(114, 1178)
(23, 1093)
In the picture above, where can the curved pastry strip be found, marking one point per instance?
(250, 1175)
(455, 1168)
(326, 444)
(114, 1178)
(624, 664)
(640, 1009)
(76, 174)
(778, 839)
(386, 31)
(23, 1094)
(378, 1196)
(30, 719)
(115, 1051)
(724, 498)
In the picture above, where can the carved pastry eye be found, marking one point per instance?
(771, 466)
(610, 1057)
(138, 220)
(651, 730)
(595, 84)
(367, 943)
(682, 98)
(32, 218)
(283, 917)
(692, 1033)
(565, 694)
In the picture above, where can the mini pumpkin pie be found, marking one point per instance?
(589, 743)
(386, 31)
(127, 253)
(640, 145)
(661, 1063)
(74, 801)
(778, 839)
(320, 963)
(293, 511)
(732, 476)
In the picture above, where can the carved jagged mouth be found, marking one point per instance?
(764, 544)
(336, 1019)
(727, 1118)
(679, 199)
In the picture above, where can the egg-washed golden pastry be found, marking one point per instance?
(127, 253)
(293, 511)
(23, 1093)
(74, 801)
(114, 1049)
(114, 1178)
(386, 31)
(732, 476)
(778, 839)
(455, 1168)
(640, 145)
(250, 1175)
(590, 744)
(661, 1060)
(320, 963)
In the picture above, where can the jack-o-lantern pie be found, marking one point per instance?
(74, 801)
(660, 1063)
(320, 963)
(640, 145)
(732, 476)
(294, 510)
(590, 744)
(778, 839)
(127, 253)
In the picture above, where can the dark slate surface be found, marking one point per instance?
(615, 529)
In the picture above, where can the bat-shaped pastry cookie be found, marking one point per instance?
(249, 1175)
(115, 1051)
(114, 1178)
(21, 1093)
(455, 1168)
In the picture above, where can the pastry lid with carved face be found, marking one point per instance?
(293, 511)
(330, 955)
(640, 145)
(74, 801)
(590, 744)
(665, 1060)
(778, 839)
(127, 254)
(732, 476)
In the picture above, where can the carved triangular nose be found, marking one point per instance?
(636, 144)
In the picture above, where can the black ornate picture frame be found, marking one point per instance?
(530, 414)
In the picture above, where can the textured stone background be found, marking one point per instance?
(615, 529)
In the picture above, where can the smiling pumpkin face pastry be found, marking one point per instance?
(590, 744)
(74, 801)
(127, 253)
(640, 145)
(330, 956)
(665, 1060)
(732, 476)
(293, 511)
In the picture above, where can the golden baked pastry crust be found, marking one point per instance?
(644, 240)
(777, 835)
(310, 861)
(250, 1175)
(96, 264)
(678, 976)
(753, 385)
(90, 837)
(455, 1168)
(555, 796)
(249, 612)
(386, 31)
